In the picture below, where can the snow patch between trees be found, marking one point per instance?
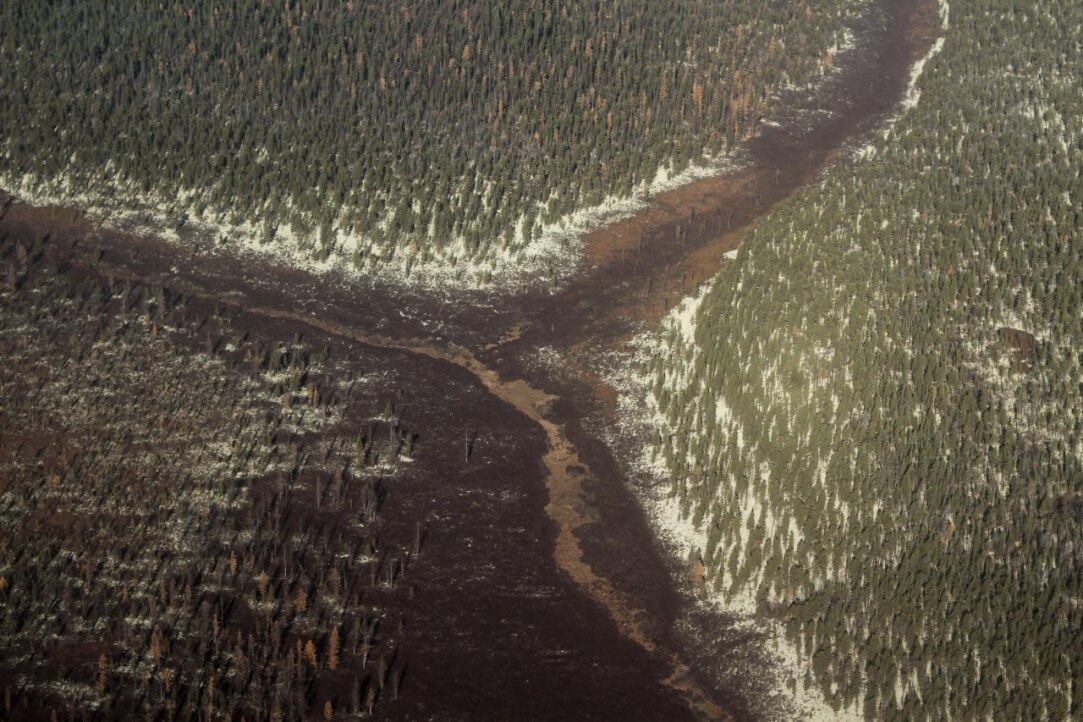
(642, 425)
(551, 256)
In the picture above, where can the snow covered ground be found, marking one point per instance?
(550, 257)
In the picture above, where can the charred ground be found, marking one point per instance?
(199, 492)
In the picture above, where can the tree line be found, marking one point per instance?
(410, 127)
(877, 423)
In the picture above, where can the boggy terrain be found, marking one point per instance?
(547, 596)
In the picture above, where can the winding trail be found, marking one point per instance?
(635, 271)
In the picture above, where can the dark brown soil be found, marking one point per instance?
(545, 595)
(1023, 347)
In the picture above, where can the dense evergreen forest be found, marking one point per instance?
(370, 128)
(878, 417)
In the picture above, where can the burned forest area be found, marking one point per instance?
(541, 360)
(224, 515)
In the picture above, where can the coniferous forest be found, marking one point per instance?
(878, 420)
(333, 387)
(404, 128)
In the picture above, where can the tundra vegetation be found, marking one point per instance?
(877, 419)
(407, 129)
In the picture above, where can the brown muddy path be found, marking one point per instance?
(634, 271)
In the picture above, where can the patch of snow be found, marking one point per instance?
(552, 255)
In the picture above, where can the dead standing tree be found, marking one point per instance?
(470, 437)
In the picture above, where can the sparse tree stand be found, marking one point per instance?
(245, 630)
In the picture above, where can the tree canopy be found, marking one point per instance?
(878, 420)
